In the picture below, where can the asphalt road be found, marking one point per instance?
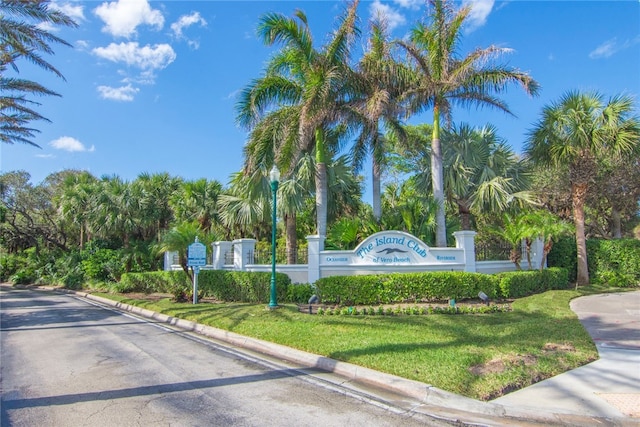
(68, 362)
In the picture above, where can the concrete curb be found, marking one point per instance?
(439, 400)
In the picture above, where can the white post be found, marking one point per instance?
(220, 249)
(241, 250)
(315, 245)
(537, 251)
(168, 260)
(465, 239)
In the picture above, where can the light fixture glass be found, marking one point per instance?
(274, 175)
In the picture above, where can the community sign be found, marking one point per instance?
(393, 248)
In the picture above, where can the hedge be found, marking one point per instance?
(613, 262)
(231, 286)
(436, 286)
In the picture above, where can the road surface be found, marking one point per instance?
(68, 362)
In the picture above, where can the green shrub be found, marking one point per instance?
(518, 284)
(436, 286)
(23, 276)
(236, 286)
(103, 265)
(405, 287)
(614, 262)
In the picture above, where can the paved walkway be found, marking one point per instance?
(608, 387)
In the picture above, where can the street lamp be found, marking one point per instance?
(274, 176)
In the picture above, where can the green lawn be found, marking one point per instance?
(477, 355)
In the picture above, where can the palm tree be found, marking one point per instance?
(156, 192)
(408, 209)
(379, 78)
(77, 203)
(512, 230)
(23, 36)
(442, 80)
(308, 82)
(179, 237)
(198, 200)
(548, 227)
(482, 173)
(578, 131)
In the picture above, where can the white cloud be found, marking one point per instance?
(123, 93)
(147, 57)
(122, 17)
(46, 156)
(186, 21)
(392, 17)
(70, 144)
(72, 10)
(480, 10)
(409, 4)
(611, 47)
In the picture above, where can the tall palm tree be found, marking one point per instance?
(379, 79)
(23, 36)
(577, 131)
(442, 79)
(312, 83)
(156, 190)
(77, 203)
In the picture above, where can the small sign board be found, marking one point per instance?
(196, 255)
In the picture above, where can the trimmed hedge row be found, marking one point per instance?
(237, 286)
(436, 286)
(613, 262)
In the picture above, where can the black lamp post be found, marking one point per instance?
(274, 176)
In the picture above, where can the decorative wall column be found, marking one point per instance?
(242, 249)
(168, 260)
(315, 245)
(537, 250)
(465, 239)
(219, 250)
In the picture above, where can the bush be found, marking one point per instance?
(518, 284)
(103, 265)
(222, 285)
(436, 286)
(10, 264)
(613, 262)
(405, 287)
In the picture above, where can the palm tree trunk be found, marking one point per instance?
(292, 241)
(616, 231)
(579, 192)
(437, 180)
(321, 184)
(465, 217)
(377, 206)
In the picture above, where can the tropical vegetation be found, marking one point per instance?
(318, 113)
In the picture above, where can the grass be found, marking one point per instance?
(482, 356)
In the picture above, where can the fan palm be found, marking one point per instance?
(482, 173)
(578, 131)
(442, 80)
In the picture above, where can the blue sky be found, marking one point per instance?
(151, 86)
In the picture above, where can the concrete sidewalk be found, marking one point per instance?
(603, 393)
(608, 387)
